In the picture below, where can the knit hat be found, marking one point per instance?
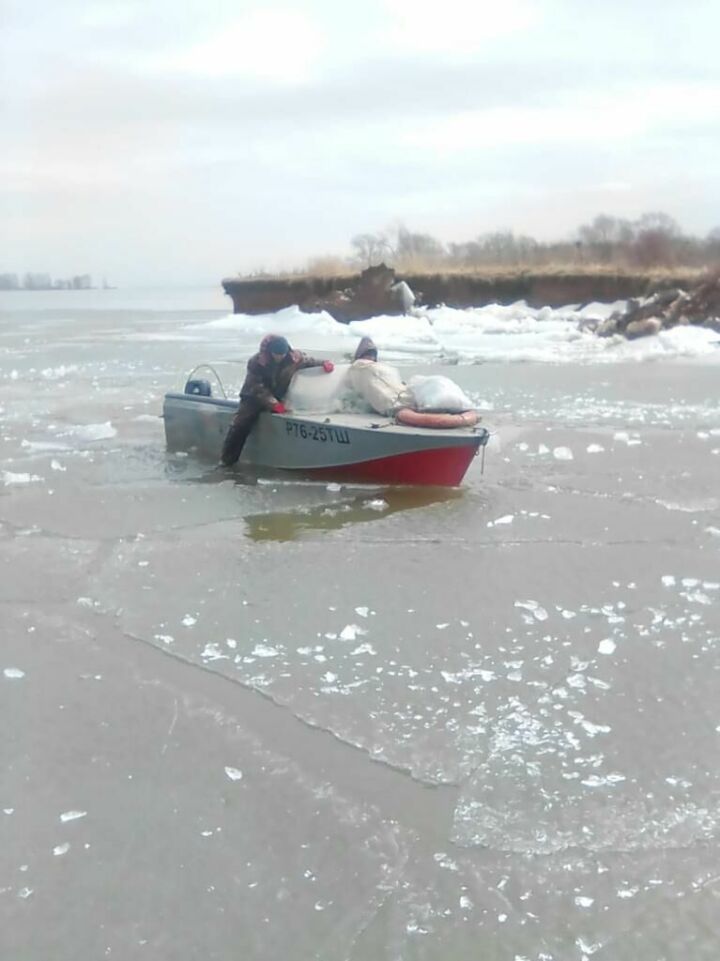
(278, 345)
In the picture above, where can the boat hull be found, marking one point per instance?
(342, 447)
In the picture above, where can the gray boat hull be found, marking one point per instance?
(341, 446)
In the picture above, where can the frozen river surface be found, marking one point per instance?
(247, 717)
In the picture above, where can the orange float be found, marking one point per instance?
(416, 418)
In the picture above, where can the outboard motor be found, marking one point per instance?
(200, 387)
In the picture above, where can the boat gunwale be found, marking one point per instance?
(371, 423)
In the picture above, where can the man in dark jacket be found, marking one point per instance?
(268, 377)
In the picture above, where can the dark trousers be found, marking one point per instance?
(243, 423)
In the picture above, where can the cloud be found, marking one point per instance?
(456, 27)
(300, 125)
(273, 44)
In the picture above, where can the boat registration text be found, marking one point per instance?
(325, 434)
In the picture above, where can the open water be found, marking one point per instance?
(249, 717)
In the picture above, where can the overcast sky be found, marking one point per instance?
(179, 141)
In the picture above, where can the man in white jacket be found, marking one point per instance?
(378, 384)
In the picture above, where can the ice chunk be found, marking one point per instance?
(538, 612)
(212, 652)
(351, 632)
(265, 650)
(13, 673)
(12, 479)
(505, 519)
(235, 774)
(61, 849)
(92, 432)
(606, 646)
(562, 453)
(363, 649)
(72, 815)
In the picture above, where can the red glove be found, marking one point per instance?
(279, 408)
(328, 366)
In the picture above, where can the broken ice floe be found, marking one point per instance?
(13, 673)
(265, 650)
(72, 815)
(505, 519)
(363, 649)
(11, 479)
(61, 849)
(234, 773)
(623, 435)
(538, 612)
(596, 780)
(562, 453)
(606, 646)
(351, 632)
(91, 432)
(595, 449)
(212, 652)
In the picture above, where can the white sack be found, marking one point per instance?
(313, 390)
(379, 385)
(438, 394)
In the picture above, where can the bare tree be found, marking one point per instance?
(413, 247)
(606, 236)
(370, 249)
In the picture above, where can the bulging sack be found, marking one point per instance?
(438, 394)
(378, 384)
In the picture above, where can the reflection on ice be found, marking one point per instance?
(341, 512)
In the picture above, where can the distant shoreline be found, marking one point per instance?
(549, 287)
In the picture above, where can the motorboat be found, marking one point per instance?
(323, 442)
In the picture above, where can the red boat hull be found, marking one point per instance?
(440, 467)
